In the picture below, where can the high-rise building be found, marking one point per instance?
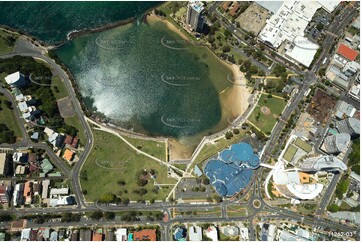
(350, 126)
(336, 143)
(195, 15)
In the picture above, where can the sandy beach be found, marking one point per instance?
(238, 95)
(151, 18)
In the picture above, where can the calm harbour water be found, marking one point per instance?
(147, 78)
(143, 77)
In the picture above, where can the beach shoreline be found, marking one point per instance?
(238, 95)
(234, 100)
(151, 18)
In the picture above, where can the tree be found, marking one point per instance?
(226, 48)
(125, 201)
(247, 64)
(205, 181)
(319, 27)
(333, 208)
(5, 217)
(121, 182)
(322, 72)
(229, 135)
(152, 201)
(66, 217)
(142, 182)
(152, 172)
(107, 198)
(253, 69)
(109, 215)
(96, 215)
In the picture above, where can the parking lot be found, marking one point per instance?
(253, 19)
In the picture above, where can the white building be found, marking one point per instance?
(353, 217)
(244, 234)
(16, 79)
(289, 22)
(212, 233)
(344, 110)
(2, 163)
(45, 189)
(336, 143)
(121, 234)
(59, 191)
(322, 163)
(289, 185)
(61, 201)
(355, 92)
(302, 50)
(195, 233)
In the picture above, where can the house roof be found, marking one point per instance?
(145, 234)
(347, 52)
(75, 142)
(32, 157)
(97, 236)
(226, 5)
(12, 78)
(68, 154)
(46, 166)
(234, 9)
(27, 189)
(68, 140)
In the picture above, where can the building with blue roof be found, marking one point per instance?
(180, 234)
(232, 170)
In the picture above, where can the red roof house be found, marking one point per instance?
(75, 142)
(68, 140)
(347, 52)
(145, 234)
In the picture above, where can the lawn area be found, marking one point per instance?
(209, 150)
(236, 211)
(290, 152)
(7, 116)
(266, 121)
(112, 160)
(74, 121)
(58, 87)
(307, 208)
(303, 145)
(6, 46)
(181, 166)
(154, 148)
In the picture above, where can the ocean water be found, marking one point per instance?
(52, 21)
(145, 77)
